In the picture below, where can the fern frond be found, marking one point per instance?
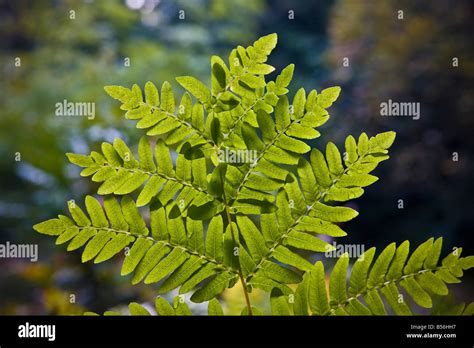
(151, 175)
(159, 115)
(250, 184)
(373, 280)
(276, 202)
(173, 250)
(303, 207)
(264, 99)
(238, 86)
(245, 72)
(252, 103)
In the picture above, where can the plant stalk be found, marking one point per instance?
(234, 239)
(241, 276)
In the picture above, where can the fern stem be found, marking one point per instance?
(234, 240)
(239, 269)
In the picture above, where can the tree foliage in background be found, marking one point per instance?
(421, 54)
(213, 223)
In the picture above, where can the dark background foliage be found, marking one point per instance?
(408, 60)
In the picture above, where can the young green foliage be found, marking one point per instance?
(373, 280)
(229, 190)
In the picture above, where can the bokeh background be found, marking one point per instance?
(408, 60)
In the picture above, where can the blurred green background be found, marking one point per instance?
(408, 60)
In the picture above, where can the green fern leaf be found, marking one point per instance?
(196, 88)
(280, 274)
(253, 238)
(300, 306)
(337, 282)
(166, 266)
(214, 287)
(214, 308)
(138, 310)
(163, 307)
(380, 267)
(420, 283)
(286, 256)
(307, 242)
(52, 227)
(176, 255)
(119, 176)
(416, 260)
(279, 303)
(318, 298)
(360, 271)
(215, 239)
